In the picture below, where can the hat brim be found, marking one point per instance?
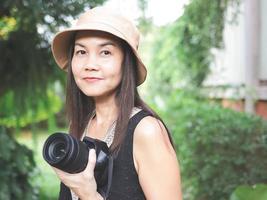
(62, 40)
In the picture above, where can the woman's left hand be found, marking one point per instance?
(83, 184)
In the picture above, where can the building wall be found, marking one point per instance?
(263, 58)
(239, 105)
(230, 65)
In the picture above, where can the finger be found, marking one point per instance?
(68, 179)
(59, 172)
(91, 160)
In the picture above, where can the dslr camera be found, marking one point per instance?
(69, 154)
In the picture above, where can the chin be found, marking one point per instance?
(93, 93)
(99, 93)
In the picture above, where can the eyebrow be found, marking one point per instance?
(101, 44)
(107, 43)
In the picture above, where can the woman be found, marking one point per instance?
(104, 70)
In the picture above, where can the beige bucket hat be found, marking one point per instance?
(100, 19)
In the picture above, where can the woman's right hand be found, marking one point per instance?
(83, 184)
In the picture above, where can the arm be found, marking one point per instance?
(82, 184)
(156, 162)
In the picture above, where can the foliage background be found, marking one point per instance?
(31, 85)
(218, 149)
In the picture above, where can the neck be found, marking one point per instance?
(106, 110)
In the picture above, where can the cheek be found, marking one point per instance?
(119, 65)
(117, 71)
(75, 67)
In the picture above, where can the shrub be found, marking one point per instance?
(17, 165)
(218, 148)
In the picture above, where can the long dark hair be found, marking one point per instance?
(81, 107)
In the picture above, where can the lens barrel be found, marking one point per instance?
(65, 152)
(69, 154)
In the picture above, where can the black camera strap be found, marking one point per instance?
(110, 174)
(104, 191)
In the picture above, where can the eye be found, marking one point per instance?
(105, 53)
(80, 52)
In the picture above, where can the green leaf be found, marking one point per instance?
(245, 192)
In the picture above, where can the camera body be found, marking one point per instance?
(69, 154)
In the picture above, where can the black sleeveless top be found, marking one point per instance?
(125, 184)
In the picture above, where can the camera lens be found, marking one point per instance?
(65, 152)
(69, 154)
(57, 150)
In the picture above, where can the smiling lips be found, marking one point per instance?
(92, 79)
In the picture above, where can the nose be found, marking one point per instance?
(91, 63)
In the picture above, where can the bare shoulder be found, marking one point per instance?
(155, 161)
(150, 124)
(151, 131)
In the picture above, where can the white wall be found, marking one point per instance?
(263, 60)
(229, 64)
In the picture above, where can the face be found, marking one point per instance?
(97, 63)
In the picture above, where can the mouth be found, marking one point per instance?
(92, 79)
